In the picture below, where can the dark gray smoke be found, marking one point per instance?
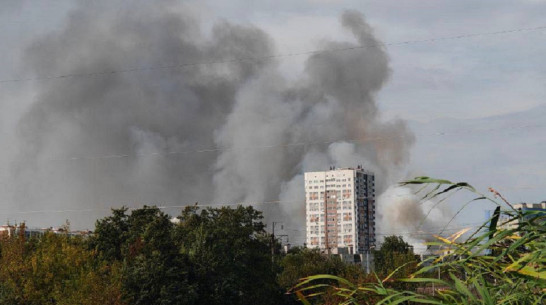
(136, 137)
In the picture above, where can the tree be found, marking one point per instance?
(302, 262)
(55, 269)
(155, 278)
(213, 256)
(111, 234)
(230, 253)
(395, 253)
(13, 267)
(154, 271)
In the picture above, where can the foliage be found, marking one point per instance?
(154, 272)
(303, 262)
(395, 254)
(211, 256)
(157, 279)
(110, 234)
(55, 269)
(492, 266)
(230, 253)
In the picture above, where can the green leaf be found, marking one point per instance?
(309, 279)
(425, 180)
(425, 280)
(461, 287)
(484, 293)
(494, 220)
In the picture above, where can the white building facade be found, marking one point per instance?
(340, 210)
(507, 221)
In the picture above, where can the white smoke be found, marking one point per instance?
(401, 212)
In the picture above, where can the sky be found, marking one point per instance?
(441, 85)
(460, 78)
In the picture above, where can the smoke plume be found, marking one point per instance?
(171, 112)
(402, 213)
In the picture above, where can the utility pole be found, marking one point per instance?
(439, 277)
(287, 240)
(370, 249)
(273, 239)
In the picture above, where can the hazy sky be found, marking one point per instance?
(462, 78)
(467, 78)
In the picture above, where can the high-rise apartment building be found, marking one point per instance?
(340, 210)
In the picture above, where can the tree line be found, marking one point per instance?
(207, 256)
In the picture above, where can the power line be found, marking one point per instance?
(268, 57)
(249, 203)
(506, 129)
(161, 207)
(256, 203)
(415, 233)
(298, 144)
(428, 231)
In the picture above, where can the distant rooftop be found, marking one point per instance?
(333, 168)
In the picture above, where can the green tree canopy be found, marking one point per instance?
(302, 262)
(230, 253)
(154, 270)
(394, 253)
(211, 256)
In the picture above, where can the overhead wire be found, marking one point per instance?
(161, 207)
(248, 203)
(269, 57)
(453, 132)
(325, 142)
(427, 232)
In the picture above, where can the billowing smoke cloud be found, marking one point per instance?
(143, 134)
(144, 115)
(403, 213)
(333, 101)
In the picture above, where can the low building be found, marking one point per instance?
(7, 230)
(508, 219)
